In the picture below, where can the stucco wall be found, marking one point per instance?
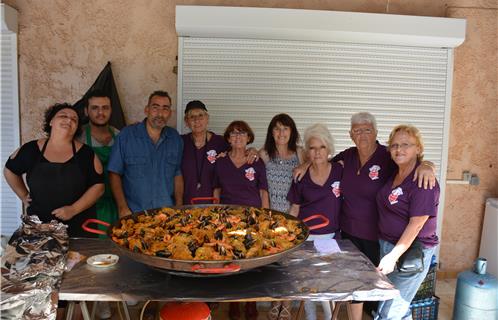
(473, 136)
(63, 45)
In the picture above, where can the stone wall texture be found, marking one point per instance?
(63, 45)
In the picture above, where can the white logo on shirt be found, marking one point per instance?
(336, 188)
(393, 197)
(211, 156)
(250, 173)
(374, 172)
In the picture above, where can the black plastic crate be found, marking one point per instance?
(425, 309)
(428, 287)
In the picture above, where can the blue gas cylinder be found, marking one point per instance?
(476, 294)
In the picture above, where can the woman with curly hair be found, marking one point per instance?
(63, 176)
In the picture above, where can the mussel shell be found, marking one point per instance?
(163, 253)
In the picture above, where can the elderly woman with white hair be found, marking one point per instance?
(318, 192)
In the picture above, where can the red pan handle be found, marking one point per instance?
(97, 221)
(215, 200)
(325, 220)
(226, 269)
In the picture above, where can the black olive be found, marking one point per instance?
(163, 253)
(251, 220)
(215, 209)
(248, 237)
(228, 225)
(218, 235)
(144, 245)
(203, 223)
(248, 241)
(238, 254)
(192, 246)
(173, 217)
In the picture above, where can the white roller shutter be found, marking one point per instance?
(254, 79)
(11, 206)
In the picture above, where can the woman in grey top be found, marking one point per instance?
(281, 155)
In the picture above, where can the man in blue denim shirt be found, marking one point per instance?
(144, 166)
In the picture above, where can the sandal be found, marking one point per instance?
(285, 312)
(274, 311)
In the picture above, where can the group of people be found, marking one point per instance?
(382, 198)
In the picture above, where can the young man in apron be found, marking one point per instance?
(99, 135)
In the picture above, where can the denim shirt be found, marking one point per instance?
(147, 170)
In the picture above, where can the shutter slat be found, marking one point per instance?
(9, 126)
(314, 82)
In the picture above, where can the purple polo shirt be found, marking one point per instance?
(359, 188)
(397, 204)
(198, 166)
(240, 185)
(315, 199)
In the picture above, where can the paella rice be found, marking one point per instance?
(209, 233)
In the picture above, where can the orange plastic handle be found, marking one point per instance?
(325, 220)
(97, 221)
(226, 269)
(194, 200)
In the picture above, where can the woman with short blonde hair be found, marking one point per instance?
(407, 221)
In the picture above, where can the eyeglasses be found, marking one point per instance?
(402, 146)
(238, 133)
(357, 132)
(194, 117)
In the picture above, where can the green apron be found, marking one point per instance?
(106, 207)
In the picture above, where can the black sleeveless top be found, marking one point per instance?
(53, 185)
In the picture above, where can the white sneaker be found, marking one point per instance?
(103, 310)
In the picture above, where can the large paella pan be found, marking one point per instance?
(208, 239)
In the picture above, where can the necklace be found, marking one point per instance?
(360, 166)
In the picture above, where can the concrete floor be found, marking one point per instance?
(445, 290)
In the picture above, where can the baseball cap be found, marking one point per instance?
(195, 104)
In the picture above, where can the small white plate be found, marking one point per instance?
(103, 260)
